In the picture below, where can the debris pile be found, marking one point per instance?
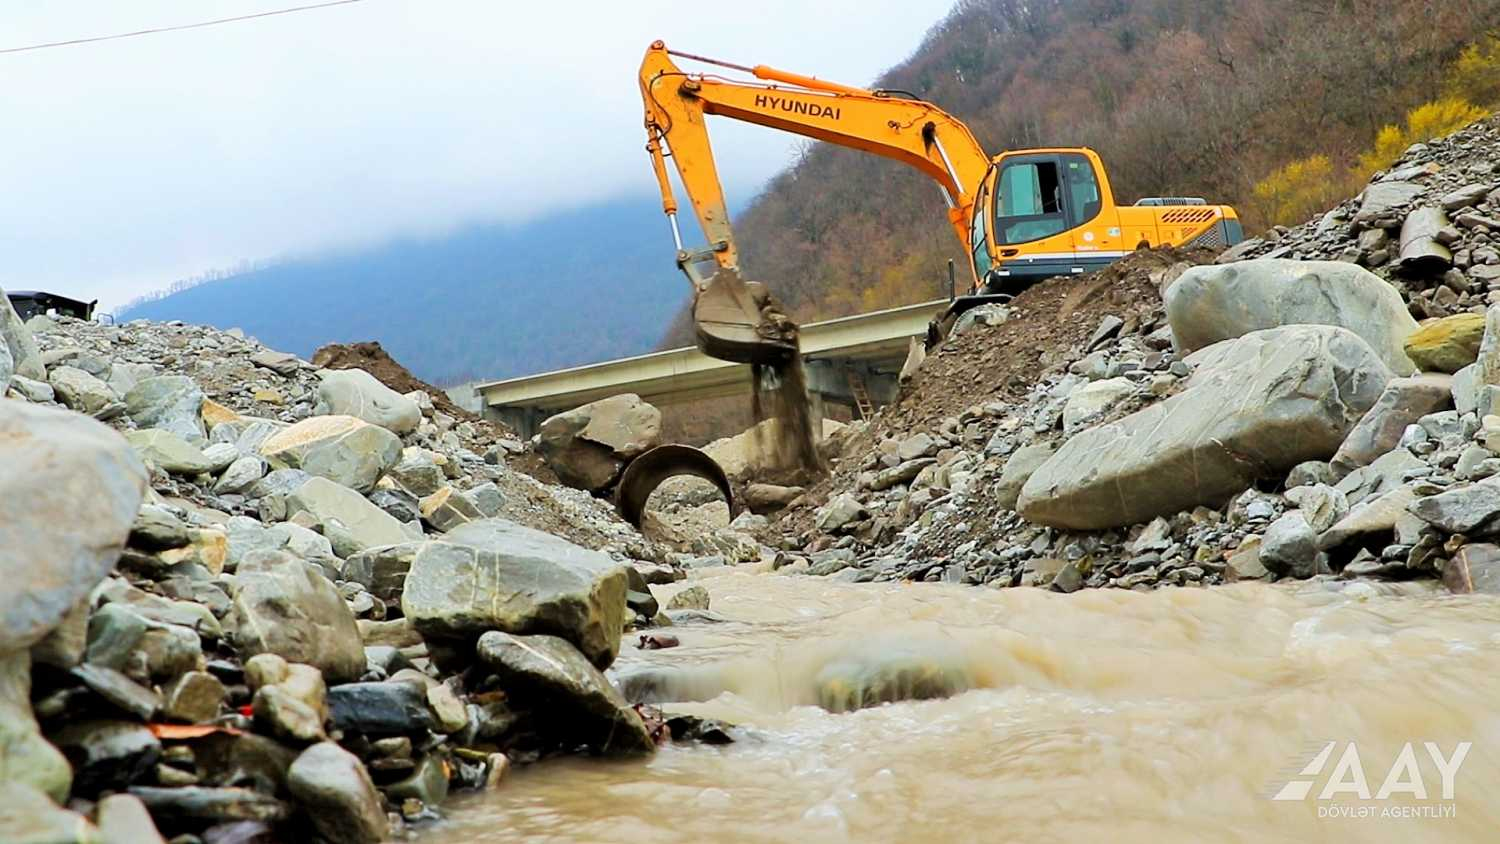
(254, 598)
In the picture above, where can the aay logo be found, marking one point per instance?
(1348, 778)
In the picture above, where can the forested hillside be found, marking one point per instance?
(486, 302)
(1213, 98)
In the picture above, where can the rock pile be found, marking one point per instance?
(250, 599)
(1276, 412)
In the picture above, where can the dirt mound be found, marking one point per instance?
(373, 359)
(1046, 322)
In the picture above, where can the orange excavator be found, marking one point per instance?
(1022, 215)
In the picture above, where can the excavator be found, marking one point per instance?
(1022, 215)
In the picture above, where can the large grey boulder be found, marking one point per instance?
(20, 346)
(1211, 303)
(1469, 510)
(28, 817)
(1383, 204)
(1254, 408)
(587, 446)
(343, 449)
(286, 607)
(170, 402)
(494, 574)
(357, 393)
(1019, 468)
(8, 374)
(363, 524)
(168, 451)
(69, 491)
(81, 391)
(26, 757)
(575, 701)
(335, 790)
(1403, 402)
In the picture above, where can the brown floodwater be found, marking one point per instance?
(1100, 716)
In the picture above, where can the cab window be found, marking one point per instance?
(1030, 202)
(1083, 190)
(977, 248)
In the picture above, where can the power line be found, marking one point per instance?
(178, 27)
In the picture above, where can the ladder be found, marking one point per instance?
(861, 395)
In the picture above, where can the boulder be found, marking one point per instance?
(20, 347)
(494, 574)
(357, 393)
(281, 363)
(587, 446)
(170, 402)
(840, 513)
(122, 639)
(1290, 546)
(1403, 402)
(1383, 204)
(448, 508)
(1091, 401)
(363, 524)
(198, 807)
(886, 671)
(768, 498)
(343, 449)
(1255, 407)
(382, 570)
(1019, 468)
(1377, 516)
(107, 754)
(1446, 345)
(1469, 510)
(335, 790)
(26, 757)
(28, 817)
(417, 473)
(1208, 304)
(124, 818)
(284, 606)
(1475, 568)
(240, 475)
(574, 701)
(691, 598)
(1321, 505)
(168, 451)
(81, 391)
(69, 491)
(390, 708)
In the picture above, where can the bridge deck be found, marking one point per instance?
(687, 374)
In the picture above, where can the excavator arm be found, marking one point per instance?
(735, 320)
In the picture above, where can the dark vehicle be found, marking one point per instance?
(29, 303)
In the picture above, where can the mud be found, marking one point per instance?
(780, 393)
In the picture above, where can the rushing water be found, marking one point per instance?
(1103, 715)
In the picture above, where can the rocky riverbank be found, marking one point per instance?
(249, 599)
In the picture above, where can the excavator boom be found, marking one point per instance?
(733, 319)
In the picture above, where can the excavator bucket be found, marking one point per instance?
(738, 321)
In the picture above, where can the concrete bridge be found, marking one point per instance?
(852, 361)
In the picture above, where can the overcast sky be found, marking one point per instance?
(129, 164)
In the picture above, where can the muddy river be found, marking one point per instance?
(1317, 712)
